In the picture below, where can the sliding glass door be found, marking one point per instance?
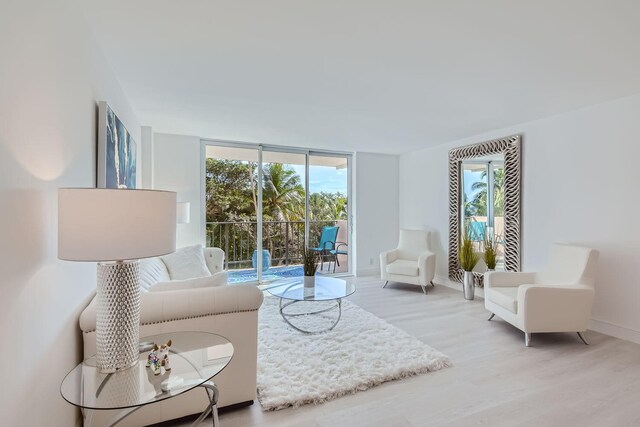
(264, 205)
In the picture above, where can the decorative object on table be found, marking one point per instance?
(116, 228)
(309, 267)
(411, 262)
(468, 259)
(266, 260)
(490, 252)
(321, 371)
(116, 151)
(510, 150)
(183, 212)
(556, 299)
(158, 359)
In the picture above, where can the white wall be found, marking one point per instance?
(51, 76)
(580, 185)
(177, 167)
(377, 216)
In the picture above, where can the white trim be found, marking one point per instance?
(444, 281)
(368, 272)
(615, 330)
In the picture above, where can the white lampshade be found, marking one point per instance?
(183, 212)
(99, 224)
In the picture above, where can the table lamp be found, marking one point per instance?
(116, 227)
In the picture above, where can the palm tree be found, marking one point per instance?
(479, 202)
(283, 196)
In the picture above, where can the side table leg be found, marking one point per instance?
(87, 415)
(212, 407)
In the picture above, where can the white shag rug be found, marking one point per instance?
(362, 351)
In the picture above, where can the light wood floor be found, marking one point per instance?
(495, 380)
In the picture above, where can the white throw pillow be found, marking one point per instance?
(186, 263)
(152, 271)
(179, 285)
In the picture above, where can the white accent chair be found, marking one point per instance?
(558, 299)
(411, 262)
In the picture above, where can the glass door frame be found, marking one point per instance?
(204, 142)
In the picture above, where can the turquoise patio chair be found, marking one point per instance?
(327, 242)
(341, 249)
(477, 231)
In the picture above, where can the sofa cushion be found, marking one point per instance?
(152, 271)
(219, 279)
(403, 267)
(186, 263)
(506, 297)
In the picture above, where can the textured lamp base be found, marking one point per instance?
(118, 315)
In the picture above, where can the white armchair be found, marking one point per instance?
(558, 299)
(411, 262)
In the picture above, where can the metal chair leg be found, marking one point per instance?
(432, 284)
(385, 284)
(491, 317)
(527, 339)
(582, 338)
(424, 289)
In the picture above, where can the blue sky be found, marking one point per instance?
(468, 180)
(324, 178)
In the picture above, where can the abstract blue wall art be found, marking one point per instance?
(116, 151)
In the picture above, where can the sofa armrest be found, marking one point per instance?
(495, 279)
(388, 257)
(158, 307)
(555, 308)
(427, 267)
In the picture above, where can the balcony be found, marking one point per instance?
(284, 240)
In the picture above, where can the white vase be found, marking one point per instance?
(309, 281)
(468, 285)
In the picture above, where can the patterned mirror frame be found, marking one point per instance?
(510, 148)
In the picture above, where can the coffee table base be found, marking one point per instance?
(286, 316)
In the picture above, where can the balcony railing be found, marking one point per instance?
(283, 239)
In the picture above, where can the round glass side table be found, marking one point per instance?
(195, 358)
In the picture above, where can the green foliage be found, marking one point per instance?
(490, 253)
(478, 205)
(309, 262)
(467, 257)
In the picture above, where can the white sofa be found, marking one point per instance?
(227, 310)
(411, 262)
(558, 299)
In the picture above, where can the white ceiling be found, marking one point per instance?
(379, 76)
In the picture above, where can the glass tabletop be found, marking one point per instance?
(325, 289)
(195, 357)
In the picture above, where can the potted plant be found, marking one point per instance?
(468, 259)
(309, 266)
(490, 255)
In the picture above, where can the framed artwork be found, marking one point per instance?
(116, 151)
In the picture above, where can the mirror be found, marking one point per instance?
(484, 201)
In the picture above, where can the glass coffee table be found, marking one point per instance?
(195, 358)
(292, 291)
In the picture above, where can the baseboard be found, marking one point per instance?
(594, 324)
(445, 281)
(615, 330)
(368, 272)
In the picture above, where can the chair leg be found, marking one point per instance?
(432, 284)
(491, 317)
(424, 289)
(385, 284)
(583, 339)
(527, 339)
